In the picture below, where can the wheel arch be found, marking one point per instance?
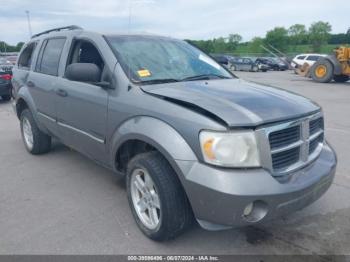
(21, 104)
(24, 100)
(147, 133)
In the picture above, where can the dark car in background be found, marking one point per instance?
(5, 78)
(244, 64)
(239, 63)
(5, 85)
(223, 59)
(274, 64)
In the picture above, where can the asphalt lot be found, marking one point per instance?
(62, 203)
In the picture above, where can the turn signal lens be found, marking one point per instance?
(208, 148)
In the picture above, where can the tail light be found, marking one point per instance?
(6, 77)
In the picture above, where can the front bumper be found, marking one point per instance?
(219, 196)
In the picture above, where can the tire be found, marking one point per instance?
(233, 68)
(6, 97)
(322, 71)
(40, 142)
(174, 215)
(341, 78)
(255, 69)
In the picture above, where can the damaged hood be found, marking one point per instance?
(236, 102)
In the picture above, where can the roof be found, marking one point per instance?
(74, 29)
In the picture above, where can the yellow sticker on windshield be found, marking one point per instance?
(144, 73)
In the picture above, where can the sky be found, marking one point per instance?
(191, 19)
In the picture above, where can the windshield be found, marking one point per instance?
(154, 60)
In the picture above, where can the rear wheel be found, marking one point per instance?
(322, 71)
(156, 197)
(35, 141)
(341, 78)
(6, 97)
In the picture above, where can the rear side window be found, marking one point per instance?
(49, 57)
(26, 57)
(313, 58)
(302, 57)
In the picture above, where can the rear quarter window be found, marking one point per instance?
(26, 57)
(301, 57)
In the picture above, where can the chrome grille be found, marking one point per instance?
(286, 158)
(315, 143)
(316, 125)
(291, 145)
(284, 137)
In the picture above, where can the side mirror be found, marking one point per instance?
(83, 72)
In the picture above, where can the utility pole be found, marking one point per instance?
(29, 25)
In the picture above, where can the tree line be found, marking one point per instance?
(4, 47)
(316, 35)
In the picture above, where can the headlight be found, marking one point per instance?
(230, 149)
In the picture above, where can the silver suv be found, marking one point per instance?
(193, 142)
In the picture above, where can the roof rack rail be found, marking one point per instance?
(71, 27)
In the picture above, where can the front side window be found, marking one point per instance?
(26, 57)
(50, 55)
(146, 59)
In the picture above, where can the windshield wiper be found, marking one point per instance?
(159, 81)
(204, 77)
(191, 78)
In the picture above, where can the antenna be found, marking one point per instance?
(29, 25)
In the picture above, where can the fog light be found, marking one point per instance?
(255, 211)
(248, 210)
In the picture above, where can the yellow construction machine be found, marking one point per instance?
(336, 66)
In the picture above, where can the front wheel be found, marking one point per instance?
(255, 69)
(35, 141)
(156, 197)
(341, 78)
(322, 71)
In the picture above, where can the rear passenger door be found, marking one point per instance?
(43, 80)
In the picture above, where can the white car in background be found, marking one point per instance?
(301, 59)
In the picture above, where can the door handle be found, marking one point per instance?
(61, 92)
(30, 84)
